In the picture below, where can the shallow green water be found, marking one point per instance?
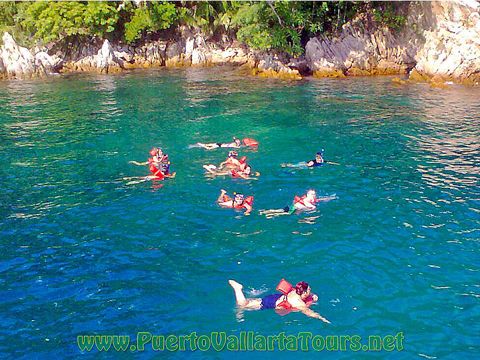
(84, 253)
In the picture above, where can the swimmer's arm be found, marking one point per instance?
(138, 163)
(248, 208)
(314, 314)
(310, 163)
(326, 198)
(222, 164)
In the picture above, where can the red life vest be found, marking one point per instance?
(250, 142)
(285, 288)
(156, 172)
(298, 199)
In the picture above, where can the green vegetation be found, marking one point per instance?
(266, 25)
(389, 14)
(154, 17)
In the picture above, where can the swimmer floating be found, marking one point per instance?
(238, 202)
(298, 298)
(307, 202)
(237, 143)
(158, 164)
(318, 161)
(236, 168)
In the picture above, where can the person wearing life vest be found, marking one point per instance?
(157, 157)
(231, 162)
(239, 201)
(307, 202)
(159, 165)
(243, 170)
(296, 298)
(237, 143)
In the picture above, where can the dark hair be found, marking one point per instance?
(301, 287)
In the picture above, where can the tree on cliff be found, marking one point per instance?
(263, 25)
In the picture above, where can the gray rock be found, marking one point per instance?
(17, 61)
(106, 59)
(48, 64)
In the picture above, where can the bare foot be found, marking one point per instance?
(235, 285)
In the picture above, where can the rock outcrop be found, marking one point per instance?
(361, 49)
(17, 61)
(451, 50)
(47, 64)
(440, 42)
(106, 60)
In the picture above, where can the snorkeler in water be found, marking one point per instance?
(297, 298)
(239, 202)
(318, 161)
(307, 202)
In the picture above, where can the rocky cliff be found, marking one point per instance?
(440, 42)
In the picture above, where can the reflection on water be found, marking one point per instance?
(448, 146)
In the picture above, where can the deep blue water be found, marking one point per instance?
(85, 253)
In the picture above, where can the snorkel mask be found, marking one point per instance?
(238, 198)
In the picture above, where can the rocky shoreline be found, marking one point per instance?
(440, 43)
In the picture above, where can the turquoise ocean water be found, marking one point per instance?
(82, 252)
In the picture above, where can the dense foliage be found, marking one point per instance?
(265, 25)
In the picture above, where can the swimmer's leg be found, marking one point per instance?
(276, 212)
(212, 169)
(270, 211)
(239, 296)
(210, 146)
(242, 301)
(140, 179)
(301, 164)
